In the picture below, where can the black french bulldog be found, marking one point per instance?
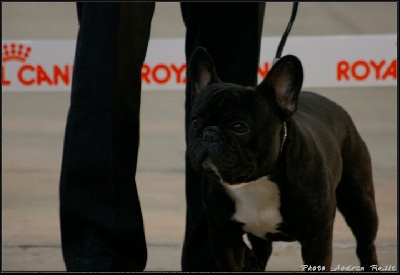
(276, 165)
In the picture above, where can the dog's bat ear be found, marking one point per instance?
(202, 71)
(283, 84)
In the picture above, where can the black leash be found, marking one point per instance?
(286, 34)
(279, 54)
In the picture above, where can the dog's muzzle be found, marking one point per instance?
(212, 134)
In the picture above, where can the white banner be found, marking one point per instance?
(328, 61)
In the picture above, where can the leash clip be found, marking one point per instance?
(284, 135)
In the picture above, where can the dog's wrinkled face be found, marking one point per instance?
(230, 134)
(236, 132)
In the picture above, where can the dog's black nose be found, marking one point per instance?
(212, 134)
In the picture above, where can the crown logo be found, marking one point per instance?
(16, 52)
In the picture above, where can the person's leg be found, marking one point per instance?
(231, 33)
(100, 215)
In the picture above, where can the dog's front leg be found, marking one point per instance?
(226, 236)
(317, 251)
(262, 250)
(229, 250)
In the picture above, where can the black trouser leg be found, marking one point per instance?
(231, 33)
(100, 215)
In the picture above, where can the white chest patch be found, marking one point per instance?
(257, 205)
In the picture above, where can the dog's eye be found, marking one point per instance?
(239, 127)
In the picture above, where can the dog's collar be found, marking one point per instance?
(284, 135)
